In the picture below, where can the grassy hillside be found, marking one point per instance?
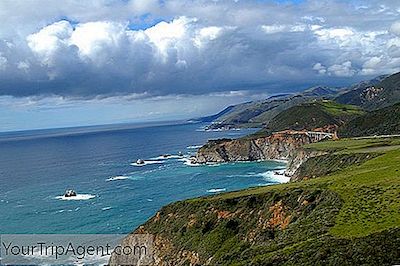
(348, 217)
(259, 113)
(384, 121)
(313, 115)
(245, 115)
(380, 93)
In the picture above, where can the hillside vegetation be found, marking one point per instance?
(350, 217)
(384, 121)
(259, 113)
(378, 94)
(313, 115)
(371, 94)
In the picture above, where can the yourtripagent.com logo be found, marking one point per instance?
(50, 249)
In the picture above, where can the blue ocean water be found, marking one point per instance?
(115, 196)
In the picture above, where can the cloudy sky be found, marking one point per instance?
(73, 62)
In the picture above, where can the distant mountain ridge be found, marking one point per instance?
(214, 117)
(259, 113)
(371, 94)
(378, 93)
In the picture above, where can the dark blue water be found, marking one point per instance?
(115, 196)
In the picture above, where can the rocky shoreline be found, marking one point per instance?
(296, 224)
(285, 145)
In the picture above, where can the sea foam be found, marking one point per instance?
(188, 162)
(77, 197)
(119, 177)
(216, 190)
(275, 176)
(166, 157)
(146, 163)
(194, 147)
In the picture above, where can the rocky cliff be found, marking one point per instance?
(285, 145)
(298, 157)
(238, 229)
(268, 226)
(347, 217)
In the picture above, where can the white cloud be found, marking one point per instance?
(342, 70)
(3, 62)
(164, 34)
(207, 34)
(23, 65)
(49, 39)
(319, 68)
(298, 27)
(334, 34)
(314, 19)
(395, 28)
(373, 62)
(94, 39)
(90, 48)
(142, 7)
(271, 29)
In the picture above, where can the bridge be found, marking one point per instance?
(314, 135)
(318, 136)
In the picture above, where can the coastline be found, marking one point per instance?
(246, 226)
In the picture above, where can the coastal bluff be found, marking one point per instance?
(284, 145)
(346, 215)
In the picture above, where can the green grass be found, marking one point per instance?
(338, 109)
(349, 217)
(353, 145)
(312, 115)
(370, 191)
(384, 121)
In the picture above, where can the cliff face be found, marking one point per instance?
(284, 145)
(346, 218)
(298, 158)
(311, 164)
(227, 231)
(277, 227)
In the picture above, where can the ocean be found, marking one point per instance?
(114, 194)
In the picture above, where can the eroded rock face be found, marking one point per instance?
(371, 93)
(298, 157)
(279, 146)
(223, 231)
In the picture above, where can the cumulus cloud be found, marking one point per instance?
(321, 69)
(49, 40)
(174, 47)
(371, 65)
(395, 28)
(342, 70)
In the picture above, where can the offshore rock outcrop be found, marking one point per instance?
(285, 145)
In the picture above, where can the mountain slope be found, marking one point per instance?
(313, 115)
(380, 92)
(211, 118)
(384, 121)
(366, 94)
(259, 113)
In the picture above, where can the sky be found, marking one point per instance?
(72, 63)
